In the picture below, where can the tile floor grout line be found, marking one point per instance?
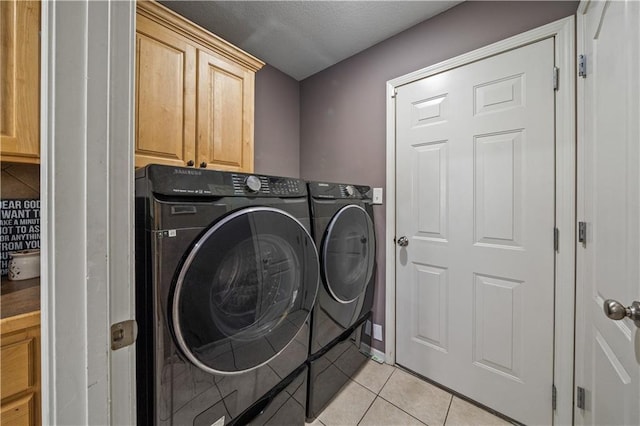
(387, 381)
(367, 410)
(404, 411)
(448, 410)
(351, 379)
(455, 394)
(385, 384)
(354, 379)
(378, 395)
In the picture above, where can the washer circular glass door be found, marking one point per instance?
(348, 253)
(244, 290)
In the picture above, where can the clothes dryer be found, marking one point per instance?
(343, 228)
(226, 277)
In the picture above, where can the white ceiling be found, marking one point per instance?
(301, 38)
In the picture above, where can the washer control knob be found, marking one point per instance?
(253, 183)
(350, 190)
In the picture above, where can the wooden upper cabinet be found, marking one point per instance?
(165, 96)
(194, 94)
(20, 80)
(225, 114)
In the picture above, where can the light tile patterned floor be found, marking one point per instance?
(384, 395)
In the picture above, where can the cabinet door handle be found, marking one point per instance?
(203, 165)
(190, 163)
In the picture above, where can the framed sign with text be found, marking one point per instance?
(19, 228)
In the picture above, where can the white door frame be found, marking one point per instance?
(87, 57)
(563, 33)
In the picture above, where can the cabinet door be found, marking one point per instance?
(19, 413)
(20, 81)
(20, 367)
(165, 96)
(225, 114)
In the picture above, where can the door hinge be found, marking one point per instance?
(556, 239)
(123, 334)
(395, 93)
(556, 78)
(582, 233)
(554, 397)
(582, 66)
(580, 398)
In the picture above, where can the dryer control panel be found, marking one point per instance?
(339, 191)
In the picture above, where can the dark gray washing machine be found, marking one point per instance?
(342, 218)
(226, 277)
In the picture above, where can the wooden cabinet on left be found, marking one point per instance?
(20, 81)
(20, 362)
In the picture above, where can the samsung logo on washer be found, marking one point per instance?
(187, 172)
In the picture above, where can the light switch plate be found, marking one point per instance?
(377, 195)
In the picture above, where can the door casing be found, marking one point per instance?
(563, 33)
(86, 190)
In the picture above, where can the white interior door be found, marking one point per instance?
(475, 200)
(607, 351)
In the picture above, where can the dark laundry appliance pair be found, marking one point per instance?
(226, 277)
(343, 229)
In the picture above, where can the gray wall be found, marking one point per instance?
(342, 111)
(277, 123)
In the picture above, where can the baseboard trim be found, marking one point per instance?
(375, 354)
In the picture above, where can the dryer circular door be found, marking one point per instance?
(244, 290)
(348, 253)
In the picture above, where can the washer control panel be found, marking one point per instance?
(286, 186)
(191, 182)
(267, 185)
(253, 183)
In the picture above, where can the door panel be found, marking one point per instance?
(430, 194)
(165, 75)
(475, 198)
(225, 93)
(431, 287)
(19, 81)
(498, 179)
(607, 351)
(497, 325)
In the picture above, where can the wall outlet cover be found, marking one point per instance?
(377, 195)
(377, 332)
